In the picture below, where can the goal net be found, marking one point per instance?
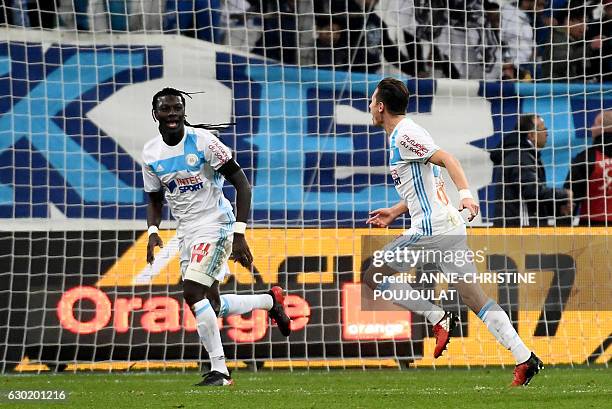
(76, 82)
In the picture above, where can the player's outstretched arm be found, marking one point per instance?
(154, 214)
(457, 175)
(234, 174)
(385, 216)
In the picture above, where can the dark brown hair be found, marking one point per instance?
(394, 94)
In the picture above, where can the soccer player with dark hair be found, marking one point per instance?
(187, 165)
(416, 162)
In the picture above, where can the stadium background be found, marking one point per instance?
(74, 114)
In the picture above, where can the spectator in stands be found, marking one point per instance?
(497, 61)
(590, 176)
(566, 58)
(6, 17)
(332, 50)
(404, 29)
(525, 200)
(598, 36)
(30, 13)
(368, 38)
(279, 40)
(241, 27)
(199, 19)
(464, 46)
(119, 15)
(517, 32)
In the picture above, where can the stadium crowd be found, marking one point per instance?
(528, 40)
(473, 39)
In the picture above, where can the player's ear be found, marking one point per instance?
(154, 115)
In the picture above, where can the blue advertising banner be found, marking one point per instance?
(303, 136)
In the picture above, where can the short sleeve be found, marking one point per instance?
(415, 147)
(215, 152)
(151, 181)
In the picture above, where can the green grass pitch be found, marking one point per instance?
(560, 387)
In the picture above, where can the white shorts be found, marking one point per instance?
(204, 262)
(453, 242)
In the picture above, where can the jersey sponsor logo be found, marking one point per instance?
(191, 159)
(218, 151)
(199, 251)
(171, 186)
(159, 168)
(190, 184)
(413, 146)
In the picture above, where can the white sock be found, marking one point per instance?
(431, 312)
(234, 304)
(208, 330)
(500, 326)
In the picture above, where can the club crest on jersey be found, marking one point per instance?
(199, 251)
(192, 159)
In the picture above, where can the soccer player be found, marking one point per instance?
(187, 165)
(415, 162)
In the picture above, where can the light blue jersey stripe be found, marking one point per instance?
(215, 256)
(436, 170)
(417, 180)
(395, 153)
(416, 188)
(179, 163)
(427, 204)
(217, 253)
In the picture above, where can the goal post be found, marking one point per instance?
(75, 112)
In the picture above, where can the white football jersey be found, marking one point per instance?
(192, 185)
(419, 182)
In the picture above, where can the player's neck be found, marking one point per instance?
(392, 122)
(173, 137)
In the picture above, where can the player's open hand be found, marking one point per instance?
(154, 241)
(471, 205)
(240, 251)
(381, 217)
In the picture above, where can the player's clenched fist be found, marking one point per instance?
(240, 251)
(471, 205)
(154, 240)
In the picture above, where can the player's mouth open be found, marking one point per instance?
(172, 124)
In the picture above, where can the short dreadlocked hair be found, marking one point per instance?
(181, 94)
(169, 91)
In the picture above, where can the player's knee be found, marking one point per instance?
(215, 304)
(193, 292)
